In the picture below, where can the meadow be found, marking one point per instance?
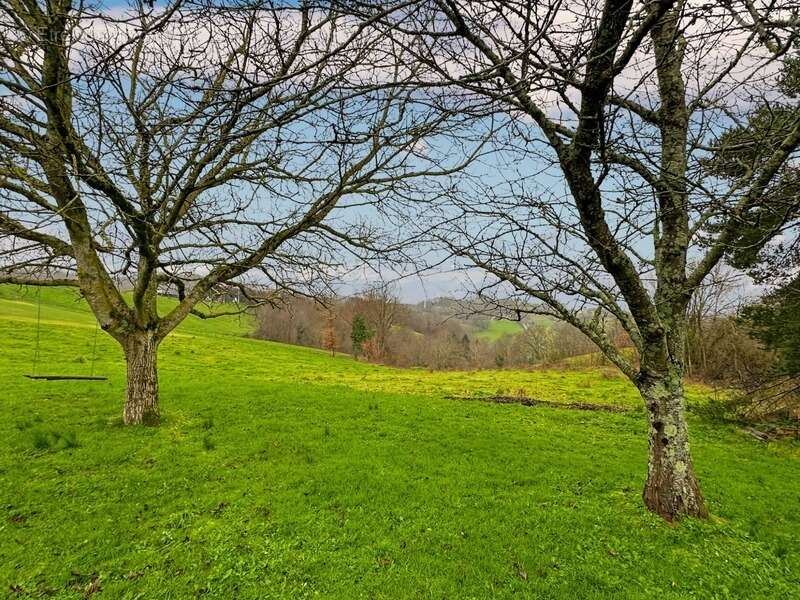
(496, 329)
(283, 472)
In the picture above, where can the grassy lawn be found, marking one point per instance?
(280, 472)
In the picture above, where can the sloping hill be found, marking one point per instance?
(497, 328)
(280, 472)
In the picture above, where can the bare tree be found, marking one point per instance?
(189, 145)
(328, 341)
(599, 203)
(381, 308)
(291, 319)
(713, 302)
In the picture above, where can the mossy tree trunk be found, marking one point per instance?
(671, 489)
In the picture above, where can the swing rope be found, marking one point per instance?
(38, 330)
(94, 347)
(37, 350)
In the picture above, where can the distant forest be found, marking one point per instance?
(447, 333)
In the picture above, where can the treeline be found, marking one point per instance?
(375, 326)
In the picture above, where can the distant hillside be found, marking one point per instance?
(495, 329)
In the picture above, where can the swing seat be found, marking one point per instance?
(67, 377)
(33, 375)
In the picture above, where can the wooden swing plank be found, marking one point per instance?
(67, 377)
(36, 352)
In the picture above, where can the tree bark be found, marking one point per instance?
(671, 489)
(141, 402)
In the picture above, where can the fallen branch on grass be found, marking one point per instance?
(774, 433)
(525, 401)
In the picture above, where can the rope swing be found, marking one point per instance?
(36, 352)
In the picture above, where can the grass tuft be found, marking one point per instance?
(49, 439)
(41, 440)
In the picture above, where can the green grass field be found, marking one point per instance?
(498, 328)
(280, 472)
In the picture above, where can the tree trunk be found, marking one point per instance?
(671, 489)
(141, 402)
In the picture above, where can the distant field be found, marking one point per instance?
(498, 328)
(280, 472)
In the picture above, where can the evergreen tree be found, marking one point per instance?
(768, 240)
(775, 322)
(359, 334)
(767, 244)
